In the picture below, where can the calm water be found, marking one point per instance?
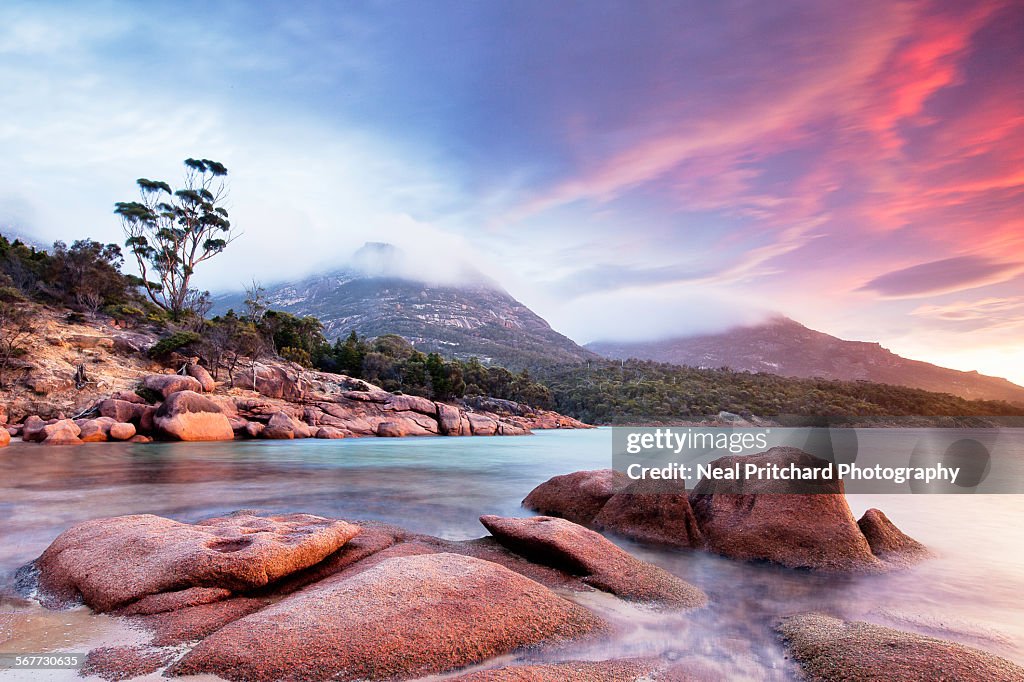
(973, 591)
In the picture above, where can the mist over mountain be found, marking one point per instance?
(467, 314)
(785, 347)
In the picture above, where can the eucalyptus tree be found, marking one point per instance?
(170, 232)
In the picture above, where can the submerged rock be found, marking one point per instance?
(572, 548)
(110, 563)
(405, 617)
(832, 649)
(751, 519)
(578, 496)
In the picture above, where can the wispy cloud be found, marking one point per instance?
(943, 276)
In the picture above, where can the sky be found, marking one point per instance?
(630, 170)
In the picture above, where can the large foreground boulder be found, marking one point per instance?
(751, 519)
(112, 562)
(651, 511)
(188, 416)
(831, 649)
(578, 496)
(572, 548)
(406, 617)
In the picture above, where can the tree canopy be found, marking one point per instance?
(170, 232)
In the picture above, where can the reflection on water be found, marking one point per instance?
(971, 592)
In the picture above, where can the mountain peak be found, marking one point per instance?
(782, 346)
(383, 290)
(378, 259)
(387, 261)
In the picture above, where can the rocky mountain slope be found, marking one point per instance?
(78, 378)
(787, 348)
(475, 317)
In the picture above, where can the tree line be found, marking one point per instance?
(631, 391)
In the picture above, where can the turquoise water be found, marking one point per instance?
(973, 591)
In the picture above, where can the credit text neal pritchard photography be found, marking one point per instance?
(814, 457)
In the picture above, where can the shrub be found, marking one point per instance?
(163, 348)
(297, 355)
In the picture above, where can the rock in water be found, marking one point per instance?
(113, 562)
(32, 430)
(188, 416)
(392, 429)
(95, 430)
(406, 617)
(284, 427)
(451, 421)
(572, 548)
(751, 519)
(63, 432)
(122, 431)
(578, 496)
(651, 511)
(887, 541)
(831, 649)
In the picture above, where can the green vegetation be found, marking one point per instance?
(162, 349)
(85, 276)
(394, 364)
(171, 232)
(15, 329)
(606, 392)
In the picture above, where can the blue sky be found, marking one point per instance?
(628, 169)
